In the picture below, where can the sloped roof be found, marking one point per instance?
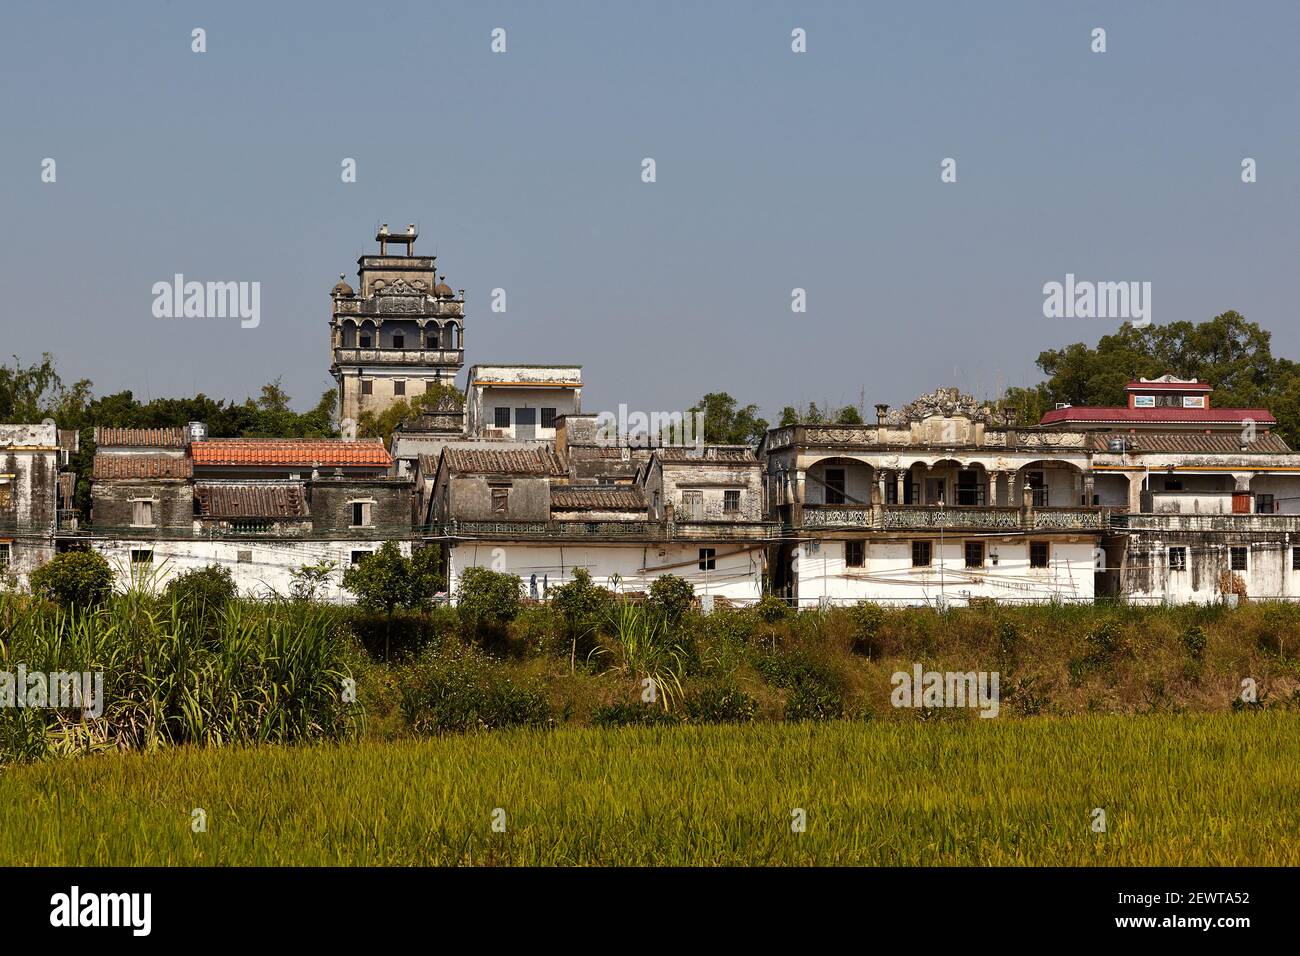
(709, 454)
(304, 453)
(1223, 443)
(598, 497)
(142, 437)
(251, 499)
(109, 467)
(495, 461)
(1147, 416)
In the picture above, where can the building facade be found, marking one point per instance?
(399, 334)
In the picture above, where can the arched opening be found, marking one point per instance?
(1049, 484)
(366, 335)
(433, 336)
(842, 482)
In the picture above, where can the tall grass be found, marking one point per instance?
(1191, 790)
(243, 673)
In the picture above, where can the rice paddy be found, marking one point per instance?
(1189, 789)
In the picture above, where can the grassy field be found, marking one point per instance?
(1180, 790)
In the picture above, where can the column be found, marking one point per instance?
(900, 478)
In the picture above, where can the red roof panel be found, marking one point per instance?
(1146, 416)
(303, 453)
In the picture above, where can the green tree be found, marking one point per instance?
(382, 583)
(75, 579)
(488, 600)
(726, 423)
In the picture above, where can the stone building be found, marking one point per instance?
(522, 512)
(400, 333)
(260, 507)
(937, 503)
(521, 402)
(29, 498)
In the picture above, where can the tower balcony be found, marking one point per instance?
(399, 357)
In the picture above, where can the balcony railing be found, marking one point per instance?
(384, 356)
(952, 517)
(1230, 523)
(659, 530)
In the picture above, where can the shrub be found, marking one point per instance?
(868, 623)
(455, 688)
(1194, 642)
(201, 594)
(770, 609)
(720, 704)
(488, 600)
(813, 702)
(671, 596)
(74, 579)
(624, 714)
(584, 607)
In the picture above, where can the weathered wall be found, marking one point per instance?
(111, 502)
(471, 498)
(888, 577)
(266, 570)
(392, 503)
(737, 575)
(1146, 573)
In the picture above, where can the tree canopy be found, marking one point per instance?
(1232, 354)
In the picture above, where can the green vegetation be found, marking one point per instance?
(74, 579)
(1233, 355)
(1192, 790)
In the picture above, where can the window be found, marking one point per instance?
(1264, 505)
(731, 501)
(244, 557)
(1177, 559)
(855, 553)
(1040, 554)
(692, 505)
(920, 554)
(399, 340)
(142, 514)
(548, 418)
(708, 559)
(500, 500)
(399, 386)
(359, 556)
(7, 547)
(502, 417)
(367, 386)
(1038, 485)
(1237, 558)
(974, 554)
(365, 341)
(1295, 559)
(430, 384)
(360, 514)
(891, 492)
(835, 486)
(6, 495)
(142, 556)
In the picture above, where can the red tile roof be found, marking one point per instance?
(108, 467)
(1164, 416)
(303, 453)
(143, 437)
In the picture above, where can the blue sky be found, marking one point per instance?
(775, 170)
